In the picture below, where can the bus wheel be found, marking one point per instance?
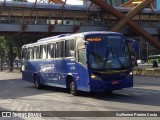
(37, 82)
(73, 88)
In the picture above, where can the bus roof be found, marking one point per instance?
(78, 34)
(53, 37)
(67, 36)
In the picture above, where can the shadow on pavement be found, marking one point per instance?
(16, 88)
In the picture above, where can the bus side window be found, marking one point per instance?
(43, 51)
(36, 52)
(71, 51)
(51, 50)
(30, 53)
(69, 48)
(24, 53)
(59, 49)
(82, 56)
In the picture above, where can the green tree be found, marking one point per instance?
(2, 51)
(10, 48)
(8, 51)
(13, 50)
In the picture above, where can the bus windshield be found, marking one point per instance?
(108, 52)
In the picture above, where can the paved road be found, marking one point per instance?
(18, 95)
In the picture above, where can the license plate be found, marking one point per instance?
(115, 82)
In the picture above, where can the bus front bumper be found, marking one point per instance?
(102, 85)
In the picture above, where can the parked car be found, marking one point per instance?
(140, 61)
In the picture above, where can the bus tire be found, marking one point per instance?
(73, 88)
(37, 82)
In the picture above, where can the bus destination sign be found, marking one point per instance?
(95, 39)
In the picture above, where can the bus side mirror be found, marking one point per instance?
(134, 61)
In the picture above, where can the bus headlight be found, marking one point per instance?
(131, 73)
(23, 67)
(95, 77)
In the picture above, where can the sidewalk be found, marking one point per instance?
(14, 71)
(146, 64)
(147, 71)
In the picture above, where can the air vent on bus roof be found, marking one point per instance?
(57, 36)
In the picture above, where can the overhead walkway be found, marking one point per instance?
(58, 18)
(131, 3)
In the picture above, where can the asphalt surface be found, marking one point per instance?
(19, 95)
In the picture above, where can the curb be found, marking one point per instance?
(147, 72)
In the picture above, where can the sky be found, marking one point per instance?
(72, 2)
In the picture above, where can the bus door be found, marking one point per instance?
(81, 66)
(59, 63)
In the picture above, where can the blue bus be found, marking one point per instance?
(89, 61)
